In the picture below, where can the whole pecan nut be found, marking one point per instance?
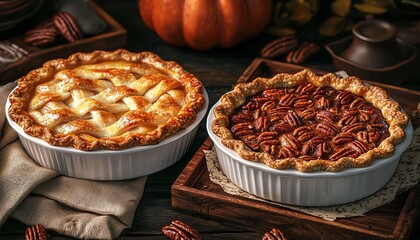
(301, 54)
(67, 26)
(274, 234)
(279, 46)
(41, 36)
(178, 230)
(36, 232)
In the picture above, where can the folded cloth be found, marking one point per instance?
(74, 207)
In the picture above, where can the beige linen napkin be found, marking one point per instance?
(73, 207)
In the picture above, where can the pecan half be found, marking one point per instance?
(305, 88)
(343, 152)
(323, 103)
(358, 146)
(307, 114)
(364, 117)
(303, 133)
(288, 140)
(279, 111)
(327, 128)
(325, 116)
(355, 127)
(347, 120)
(287, 99)
(274, 234)
(279, 46)
(242, 129)
(240, 118)
(178, 230)
(281, 127)
(322, 150)
(293, 119)
(304, 51)
(342, 138)
(262, 124)
(267, 136)
(36, 232)
(344, 97)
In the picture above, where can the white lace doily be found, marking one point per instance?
(406, 176)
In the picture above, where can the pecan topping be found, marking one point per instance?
(36, 232)
(178, 230)
(309, 122)
(274, 234)
(279, 46)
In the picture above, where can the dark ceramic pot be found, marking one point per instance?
(375, 45)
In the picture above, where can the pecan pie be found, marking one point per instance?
(106, 100)
(309, 122)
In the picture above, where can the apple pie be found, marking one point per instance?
(308, 122)
(106, 100)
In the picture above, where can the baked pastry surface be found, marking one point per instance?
(309, 123)
(106, 100)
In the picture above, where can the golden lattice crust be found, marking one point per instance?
(106, 100)
(231, 101)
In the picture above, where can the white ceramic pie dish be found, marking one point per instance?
(107, 164)
(306, 189)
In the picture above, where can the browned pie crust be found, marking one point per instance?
(390, 110)
(106, 100)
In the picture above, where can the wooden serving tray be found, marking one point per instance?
(194, 192)
(114, 37)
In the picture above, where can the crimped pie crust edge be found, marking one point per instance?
(20, 97)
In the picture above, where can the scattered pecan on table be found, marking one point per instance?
(302, 53)
(289, 45)
(36, 232)
(416, 113)
(274, 234)
(279, 46)
(178, 230)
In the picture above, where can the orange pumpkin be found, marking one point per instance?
(206, 24)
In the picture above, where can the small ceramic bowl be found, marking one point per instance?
(374, 53)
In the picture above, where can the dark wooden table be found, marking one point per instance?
(218, 70)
